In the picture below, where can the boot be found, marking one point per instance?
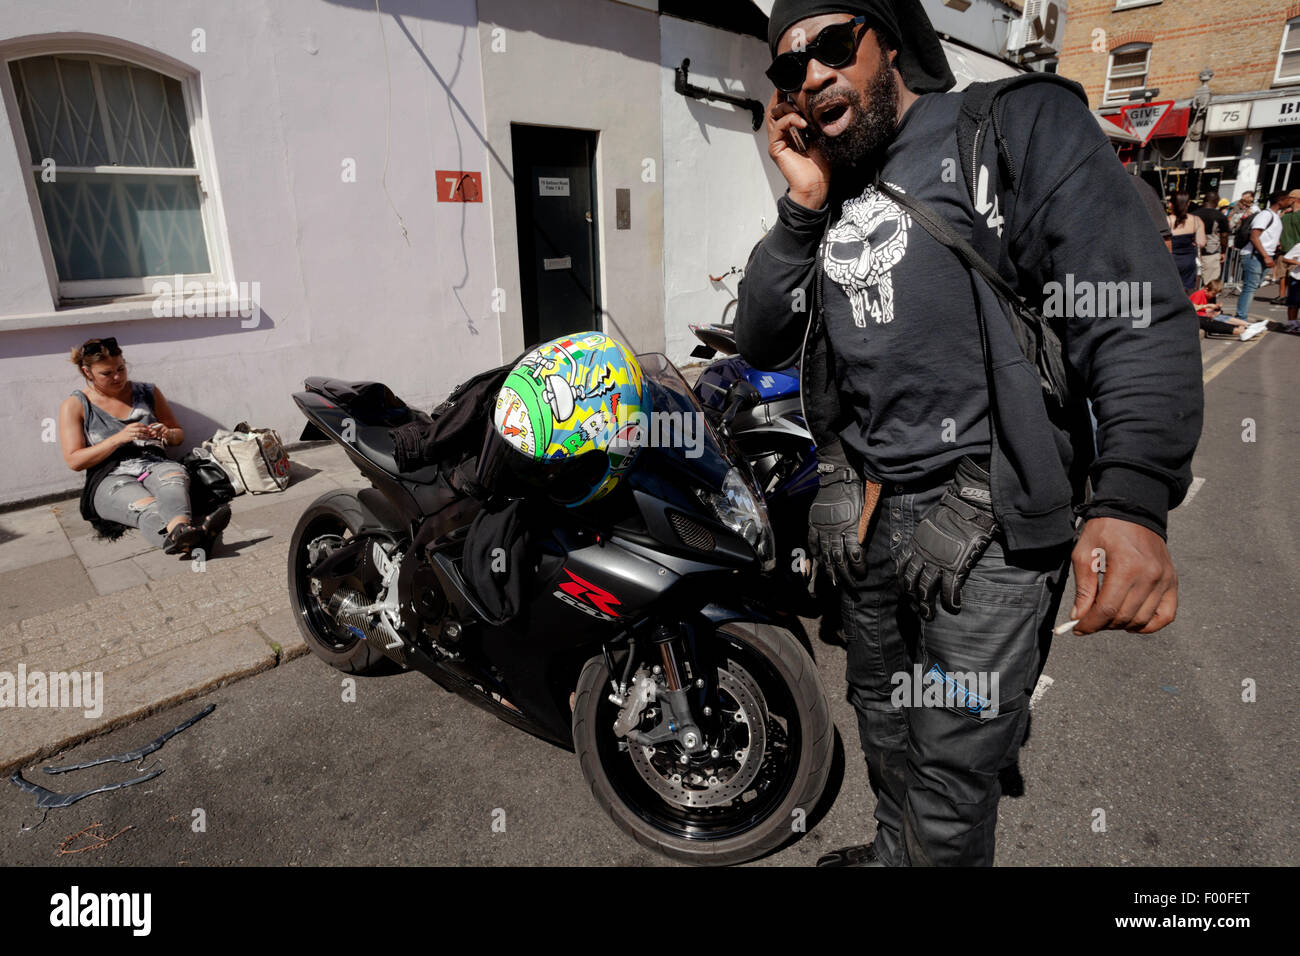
(864, 855)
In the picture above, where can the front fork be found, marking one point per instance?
(684, 658)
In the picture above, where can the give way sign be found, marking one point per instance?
(1143, 118)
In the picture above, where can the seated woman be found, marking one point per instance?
(115, 431)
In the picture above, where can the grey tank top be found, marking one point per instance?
(97, 425)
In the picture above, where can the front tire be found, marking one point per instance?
(799, 743)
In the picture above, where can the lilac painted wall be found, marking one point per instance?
(289, 90)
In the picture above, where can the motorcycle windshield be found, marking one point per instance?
(678, 437)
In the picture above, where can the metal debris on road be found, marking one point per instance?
(48, 800)
(137, 755)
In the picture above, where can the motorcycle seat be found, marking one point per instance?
(374, 442)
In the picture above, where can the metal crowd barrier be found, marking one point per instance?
(1231, 274)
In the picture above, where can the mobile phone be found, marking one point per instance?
(801, 139)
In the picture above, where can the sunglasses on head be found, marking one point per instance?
(834, 46)
(106, 346)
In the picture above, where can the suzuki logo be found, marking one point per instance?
(767, 381)
(982, 204)
(585, 596)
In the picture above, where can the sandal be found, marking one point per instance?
(215, 523)
(181, 539)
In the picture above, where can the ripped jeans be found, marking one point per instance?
(169, 485)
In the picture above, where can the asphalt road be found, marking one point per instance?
(1152, 731)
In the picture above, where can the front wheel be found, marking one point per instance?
(774, 756)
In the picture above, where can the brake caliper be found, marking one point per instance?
(634, 703)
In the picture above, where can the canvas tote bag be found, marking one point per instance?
(254, 458)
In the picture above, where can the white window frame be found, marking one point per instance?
(1292, 26)
(78, 292)
(1110, 99)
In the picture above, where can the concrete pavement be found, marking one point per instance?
(159, 628)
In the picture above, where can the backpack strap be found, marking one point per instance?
(977, 112)
(1033, 333)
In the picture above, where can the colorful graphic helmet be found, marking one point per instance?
(571, 412)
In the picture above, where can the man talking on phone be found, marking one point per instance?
(952, 488)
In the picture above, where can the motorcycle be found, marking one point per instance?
(762, 412)
(652, 640)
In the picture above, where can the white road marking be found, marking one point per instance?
(1191, 491)
(1044, 682)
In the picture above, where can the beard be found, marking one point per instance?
(875, 119)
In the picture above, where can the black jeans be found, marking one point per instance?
(934, 768)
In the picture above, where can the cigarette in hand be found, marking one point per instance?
(1062, 628)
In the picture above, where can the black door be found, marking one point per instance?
(555, 211)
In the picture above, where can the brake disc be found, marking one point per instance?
(730, 775)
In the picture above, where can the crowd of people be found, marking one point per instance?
(1202, 239)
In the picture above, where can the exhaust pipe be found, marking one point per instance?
(345, 607)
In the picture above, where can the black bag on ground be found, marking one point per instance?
(210, 486)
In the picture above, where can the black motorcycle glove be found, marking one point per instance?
(948, 542)
(834, 518)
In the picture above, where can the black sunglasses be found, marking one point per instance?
(96, 346)
(834, 46)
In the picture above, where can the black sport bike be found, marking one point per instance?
(654, 639)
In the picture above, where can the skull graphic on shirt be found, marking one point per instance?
(869, 239)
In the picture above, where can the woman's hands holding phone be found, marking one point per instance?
(806, 170)
(136, 431)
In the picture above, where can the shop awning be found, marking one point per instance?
(1114, 131)
(971, 66)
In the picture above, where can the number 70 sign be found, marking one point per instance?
(458, 185)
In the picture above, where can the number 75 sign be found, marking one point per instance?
(458, 185)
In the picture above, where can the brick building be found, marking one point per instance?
(1231, 68)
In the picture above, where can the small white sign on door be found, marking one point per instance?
(553, 185)
(564, 262)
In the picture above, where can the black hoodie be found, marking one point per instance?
(1072, 228)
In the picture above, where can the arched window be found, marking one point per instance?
(112, 159)
(1127, 71)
